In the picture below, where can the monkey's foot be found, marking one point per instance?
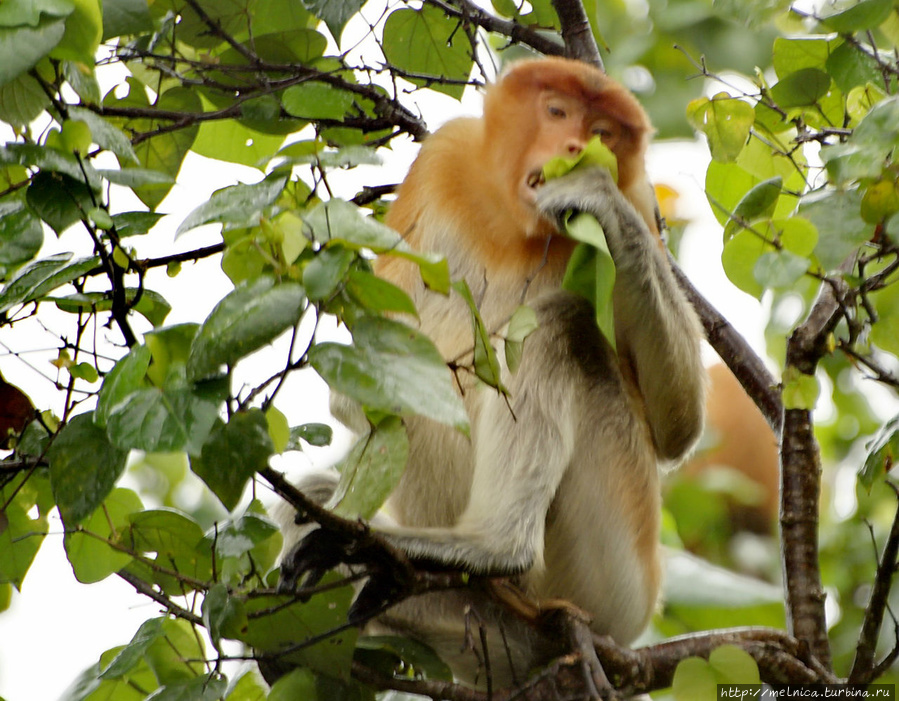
(389, 574)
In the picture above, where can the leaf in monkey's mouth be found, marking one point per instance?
(595, 153)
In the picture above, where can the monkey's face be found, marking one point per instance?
(564, 125)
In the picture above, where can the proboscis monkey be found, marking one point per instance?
(559, 486)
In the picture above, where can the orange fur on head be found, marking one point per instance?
(475, 173)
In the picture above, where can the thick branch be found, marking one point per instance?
(801, 481)
(576, 32)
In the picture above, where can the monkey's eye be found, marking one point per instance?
(556, 111)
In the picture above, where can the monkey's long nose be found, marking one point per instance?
(573, 147)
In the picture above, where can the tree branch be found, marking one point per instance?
(467, 11)
(576, 32)
(863, 667)
(801, 481)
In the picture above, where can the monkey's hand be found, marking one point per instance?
(592, 190)
(389, 575)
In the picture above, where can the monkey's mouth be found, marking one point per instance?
(535, 179)
(528, 189)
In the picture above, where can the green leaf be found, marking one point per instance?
(84, 29)
(230, 15)
(800, 89)
(780, 269)
(21, 235)
(591, 271)
(135, 223)
(21, 100)
(594, 154)
(105, 134)
(59, 200)
(883, 453)
(179, 545)
(276, 622)
(127, 377)
(314, 434)
(206, 687)
(223, 614)
(866, 14)
(84, 467)
(885, 331)
(733, 665)
(137, 178)
(486, 361)
(163, 152)
(339, 221)
(427, 42)
(232, 454)
(296, 684)
(405, 652)
(800, 391)
(795, 53)
(249, 317)
(21, 535)
(84, 371)
(51, 159)
(42, 276)
(334, 14)
(378, 295)
(278, 428)
(521, 325)
(371, 470)
(125, 17)
(850, 67)
(133, 653)
(280, 16)
(229, 140)
(162, 421)
(14, 13)
(82, 80)
(759, 202)
(326, 271)
(725, 121)
(176, 660)
(739, 258)
(170, 348)
(317, 101)
(391, 368)
(841, 230)
(92, 558)
(693, 680)
(75, 137)
(22, 47)
(151, 305)
(246, 546)
(863, 155)
(696, 679)
(237, 205)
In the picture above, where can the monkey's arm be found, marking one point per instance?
(657, 331)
